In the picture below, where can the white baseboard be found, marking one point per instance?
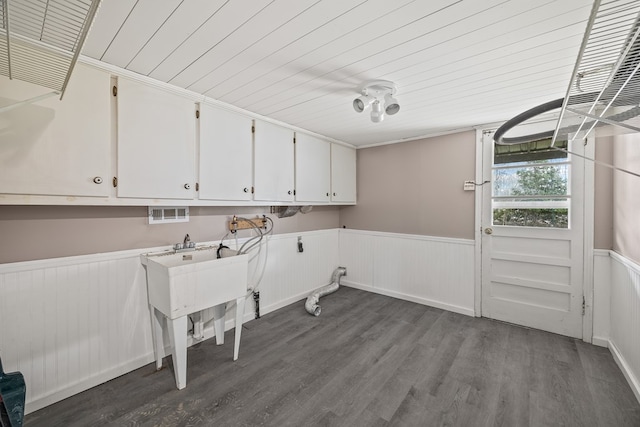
(626, 370)
(601, 342)
(431, 303)
(88, 383)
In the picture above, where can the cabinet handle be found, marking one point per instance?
(245, 189)
(334, 194)
(327, 194)
(289, 192)
(187, 186)
(97, 180)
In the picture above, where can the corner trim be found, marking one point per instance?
(452, 240)
(634, 383)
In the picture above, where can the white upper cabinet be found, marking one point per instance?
(156, 143)
(274, 160)
(55, 147)
(225, 155)
(343, 174)
(313, 169)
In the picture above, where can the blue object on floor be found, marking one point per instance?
(12, 396)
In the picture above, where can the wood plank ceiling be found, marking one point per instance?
(457, 64)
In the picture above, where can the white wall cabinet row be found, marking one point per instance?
(157, 145)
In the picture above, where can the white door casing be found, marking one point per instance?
(534, 276)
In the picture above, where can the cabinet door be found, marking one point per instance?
(273, 158)
(225, 155)
(55, 147)
(156, 140)
(313, 169)
(343, 174)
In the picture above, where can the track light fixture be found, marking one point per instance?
(379, 95)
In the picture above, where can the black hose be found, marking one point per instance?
(499, 138)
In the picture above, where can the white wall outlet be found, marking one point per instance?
(469, 186)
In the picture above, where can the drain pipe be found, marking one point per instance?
(311, 305)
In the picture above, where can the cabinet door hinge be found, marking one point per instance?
(197, 114)
(294, 139)
(114, 90)
(583, 305)
(253, 129)
(197, 186)
(115, 181)
(294, 192)
(253, 190)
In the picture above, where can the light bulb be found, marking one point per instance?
(361, 103)
(377, 114)
(391, 105)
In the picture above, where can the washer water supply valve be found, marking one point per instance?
(256, 299)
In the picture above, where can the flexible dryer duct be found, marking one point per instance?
(311, 305)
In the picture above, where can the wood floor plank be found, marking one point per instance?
(368, 360)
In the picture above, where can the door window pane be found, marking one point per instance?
(531, 185)
(535, 179)
(519, 217)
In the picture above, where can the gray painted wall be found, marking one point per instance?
(413, 188)
(41, 232)
(626, 197)
(416, 188)
(603, 197)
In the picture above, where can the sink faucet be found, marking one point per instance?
(186, 245)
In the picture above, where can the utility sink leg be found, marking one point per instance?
(178, 334)
(219, 312)
(157, 319)
(239, 318)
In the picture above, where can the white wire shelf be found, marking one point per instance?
(605, 86)
(40, 40)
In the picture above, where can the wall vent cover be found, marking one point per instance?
(165, 215)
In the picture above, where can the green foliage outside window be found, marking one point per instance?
(544, 180)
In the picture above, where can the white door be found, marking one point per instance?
(54, 147)
(313, 169)
(226, 158)
(343, 174)
(532, 236)
(273, 162)
(156, 143)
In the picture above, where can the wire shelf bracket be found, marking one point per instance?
(604, 90)
(40, 42)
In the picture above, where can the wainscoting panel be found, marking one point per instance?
(291, 275)
(429, 270)
(601, 297)
(69, 324)
(624, 340)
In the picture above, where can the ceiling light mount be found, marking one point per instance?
(379, 94)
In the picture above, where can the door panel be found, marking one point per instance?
(533, 275)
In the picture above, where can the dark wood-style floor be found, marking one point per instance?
(368, 360)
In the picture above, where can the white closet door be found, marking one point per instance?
(156, 141)
(313, 169)
(273, 157)
(55, 147)
(343, 174)
(225, 155)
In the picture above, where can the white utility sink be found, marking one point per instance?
(181, 283)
